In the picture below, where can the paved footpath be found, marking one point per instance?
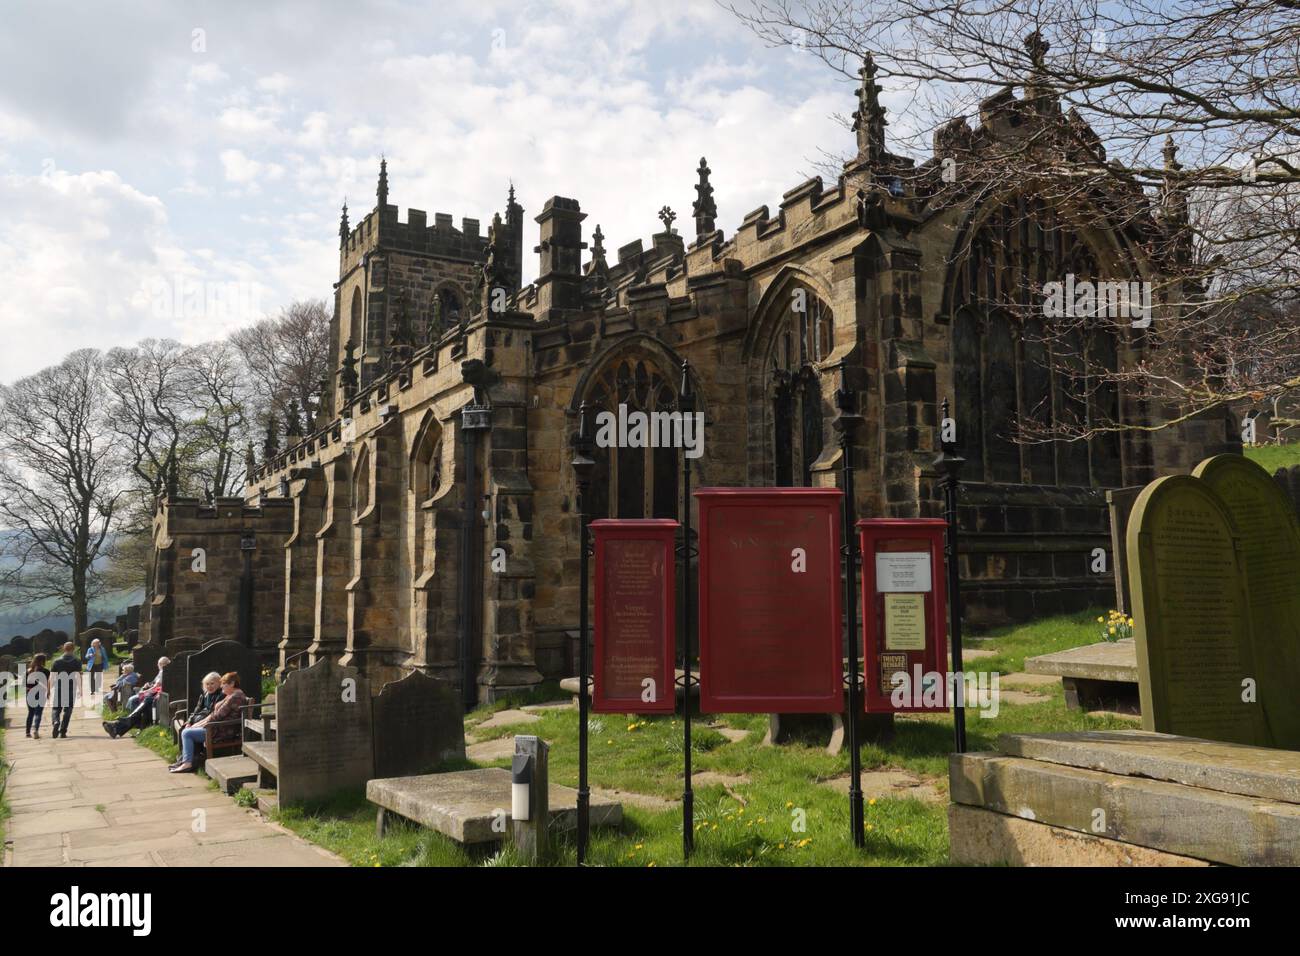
(89, 800)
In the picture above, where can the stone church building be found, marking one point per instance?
(425, 518)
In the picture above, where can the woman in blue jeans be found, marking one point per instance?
(38, 691)
(226, 712)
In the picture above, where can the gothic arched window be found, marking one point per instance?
(1011, 373)
(355, 329)
(803, 338)
(632, 482)
(361, 483)
(426, 462)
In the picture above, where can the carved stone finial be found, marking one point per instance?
(271, 445)
(292, 422)
(869, 118)
(344, 231)
(382, 191)
(348, 372)
(704, 208)
(667, 217)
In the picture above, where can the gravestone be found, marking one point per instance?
(145, 658)
(177, 644)
(324, 741)
(1270, 546)
(20, 645)
(224, 657)
(418, 723)
(104, 634)
(1119, 505)
(1192, 618)
(173, 676)
(47, 641)
(1288, 479)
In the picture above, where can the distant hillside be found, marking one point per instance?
(33, 618)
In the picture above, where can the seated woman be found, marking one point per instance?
(224, 720)
(122, 688)
(141, 704)
(210, 697)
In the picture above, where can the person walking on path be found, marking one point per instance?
(64, 680)
(38, 692)
(96, 664)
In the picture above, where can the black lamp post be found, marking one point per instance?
(846, 423)
(583, 464)
(686, 405)
(948, 464)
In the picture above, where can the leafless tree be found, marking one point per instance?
(219, 397)
(286, 356)
(1174, 124)
(61, 484)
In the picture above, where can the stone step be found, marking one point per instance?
(1104, 661)
(1209, 764)
(1170, 817)
(231, 773)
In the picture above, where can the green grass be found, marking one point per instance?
(1273, 457)
(751, 821)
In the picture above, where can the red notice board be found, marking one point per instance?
(770, 627)
(635, 617)
(904, 612)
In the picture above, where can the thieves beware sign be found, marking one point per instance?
(904, 614)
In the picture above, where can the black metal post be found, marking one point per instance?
(846, 423)
(686, 405)
(582, 468)
(949, 465)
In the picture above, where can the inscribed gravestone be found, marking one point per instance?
(418, 723)
(1270, 548)
(223, 657)
(324, 741)
(145, 658)
(1192, 620)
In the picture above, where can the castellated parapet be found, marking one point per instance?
(213, 563)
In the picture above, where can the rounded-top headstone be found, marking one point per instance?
(1192, 621)
(1270, 546)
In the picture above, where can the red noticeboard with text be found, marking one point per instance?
(635, 616)
(904, 612)
(770, 627)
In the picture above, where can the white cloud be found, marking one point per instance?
(255, 142)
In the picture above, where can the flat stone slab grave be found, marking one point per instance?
(464, 804)
(1196, 799)
(1102, 676)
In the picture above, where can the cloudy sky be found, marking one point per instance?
(176, 168)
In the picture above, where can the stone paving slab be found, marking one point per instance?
(90, 800)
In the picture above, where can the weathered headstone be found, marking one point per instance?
(1119, 505)
(145, 658)
(1269, 537)
(1192, 617)
(48, 641)
(223, 657)
(418, 723)
(104, 634)
(324, 732)
(20, 645)
(174, 674)
(177, 644)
